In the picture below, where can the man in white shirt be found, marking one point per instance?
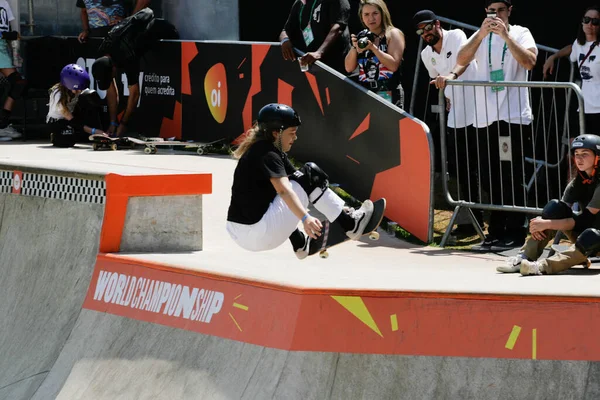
(503, 52)
(439, 57)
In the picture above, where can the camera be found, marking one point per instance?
(363, 37)
(491, 15)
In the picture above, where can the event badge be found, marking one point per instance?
(497, 76)
(307, 33)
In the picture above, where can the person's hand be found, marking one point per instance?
(310, 58)
(287, 51)
(539, 236)
(354, 40)
(538, 224)
(111, 130)
(448, 104)
(496, 25)
(440, 81)
(83, 36)
(548, 66)
(121, 130)
(312, 227)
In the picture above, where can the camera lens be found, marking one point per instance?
(363, 42)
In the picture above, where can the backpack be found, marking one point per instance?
(121, 42)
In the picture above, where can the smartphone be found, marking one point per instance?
(491, 15)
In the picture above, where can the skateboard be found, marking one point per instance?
(152, 144)
(333, 234)
(106, 142)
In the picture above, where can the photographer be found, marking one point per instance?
(379, 47)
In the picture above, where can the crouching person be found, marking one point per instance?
(581, 229)
(270, 196)
(70, 99)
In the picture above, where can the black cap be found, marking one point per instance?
(507, 2)
(423, 17)
(102, 70)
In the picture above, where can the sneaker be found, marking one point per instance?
(531, 268)
(489, 241)
(5, 139)
(302, 252)
(361, 219)
(10, 132)
(513, 264)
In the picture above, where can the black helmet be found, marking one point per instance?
(276, 116)
(591, 142)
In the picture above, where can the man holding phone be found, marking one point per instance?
(504, 53)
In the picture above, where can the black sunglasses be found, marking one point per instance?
(594, 21)
(426, 28)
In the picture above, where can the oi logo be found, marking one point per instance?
(215, 89)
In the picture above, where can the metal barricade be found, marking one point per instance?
(532, 162)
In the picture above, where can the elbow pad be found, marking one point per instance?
(583, 221)
(588, 243)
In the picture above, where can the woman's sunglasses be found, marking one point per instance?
(426, 28)
(594, 21)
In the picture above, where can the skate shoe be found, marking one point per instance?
(531, 268)
(10, 132)
(302, 252)
(513, 264)
(361, 219)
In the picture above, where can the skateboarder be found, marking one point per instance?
(581, 229)
(70, 99)
(270, 196)
(123, 48)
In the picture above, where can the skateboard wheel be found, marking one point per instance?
(154, 150)
(374, 236)
(148, 150)
(113, 146)
(95, 146)
(200, 151)
(324, 254)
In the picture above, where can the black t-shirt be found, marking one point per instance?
(252, 191)
(585, 195)
(324, 14)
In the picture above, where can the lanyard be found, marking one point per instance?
(311, 13)
(490, 52)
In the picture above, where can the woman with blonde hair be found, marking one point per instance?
(381, 43)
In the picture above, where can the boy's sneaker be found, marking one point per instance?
(513, 264)
(531, 268)
(10, 132)
(302, 252)
(361, 219)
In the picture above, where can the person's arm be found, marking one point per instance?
(334, 33)
(525, 57)
(132, 101)
(85, 23)
(549, 64)
(283, 187)
(466, 54)
(140, 5)
(351, 59)
(395, 50)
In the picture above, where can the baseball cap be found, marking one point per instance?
(102, 70)
(424, 16)
(507, 2)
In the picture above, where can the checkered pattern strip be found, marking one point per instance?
(5, 181)
(64, 188)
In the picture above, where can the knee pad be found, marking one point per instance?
(311, 177)
(18, 85)
(588, 242)
(557, 209)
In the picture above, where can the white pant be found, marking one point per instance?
(278, 223)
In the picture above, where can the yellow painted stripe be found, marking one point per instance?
(235, 322)
(512, 339)
(394, 321)
(534, 344)
(240, 306)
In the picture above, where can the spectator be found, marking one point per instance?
(9, 29)
(319, 28)
(269, 197)
(503, 52)
(69, 100)
(439, 57)
(381, 44)
(123, 48)
(580, 229)
(585, 51)
(99, 16)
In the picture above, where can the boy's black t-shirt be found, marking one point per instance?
(585, 195)
(252, 191)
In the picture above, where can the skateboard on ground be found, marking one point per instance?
(152, 144)
(333, 234)
(106, 142)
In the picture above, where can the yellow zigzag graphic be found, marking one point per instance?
(358, 308)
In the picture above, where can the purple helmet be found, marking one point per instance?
(74, 77)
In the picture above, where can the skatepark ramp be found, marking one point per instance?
(126, 306)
